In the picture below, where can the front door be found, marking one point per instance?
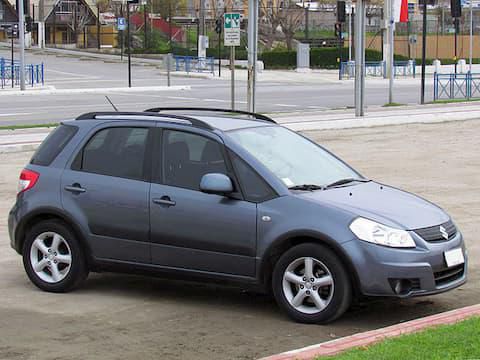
(190, 229)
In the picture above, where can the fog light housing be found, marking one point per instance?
(401, 286)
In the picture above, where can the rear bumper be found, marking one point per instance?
(421, 271)
(12, 228)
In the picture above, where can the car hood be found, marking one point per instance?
(381, 203)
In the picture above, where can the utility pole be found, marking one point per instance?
(252, 52)
(21, 38)
(424, 51)
(360, 59)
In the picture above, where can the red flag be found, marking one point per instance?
(404, 11)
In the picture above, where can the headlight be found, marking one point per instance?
(380, 234)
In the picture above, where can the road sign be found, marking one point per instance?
(232, 29)
(121, 24)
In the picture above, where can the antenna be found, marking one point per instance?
(111, 103)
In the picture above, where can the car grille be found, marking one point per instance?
(433, 234)
(449, 275)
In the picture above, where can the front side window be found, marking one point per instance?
(292, 158)
(118, 152)
(187, 157)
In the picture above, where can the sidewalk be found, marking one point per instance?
(29, 139)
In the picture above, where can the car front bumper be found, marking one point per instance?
(420, 271)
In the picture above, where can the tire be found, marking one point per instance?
(319, 301)
(53, 257)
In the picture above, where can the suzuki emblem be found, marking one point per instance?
(443, 232)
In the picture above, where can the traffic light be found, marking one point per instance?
(341, 11)
(218, 26)
(28, 24)
(338, 30)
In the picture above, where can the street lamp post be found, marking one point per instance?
(21, 38)
(360, 59)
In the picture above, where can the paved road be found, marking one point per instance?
(118, 316)
(275, 93)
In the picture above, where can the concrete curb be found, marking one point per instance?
(334, 347)
(50, 91)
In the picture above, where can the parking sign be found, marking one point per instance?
(232, 29)
(121, 24)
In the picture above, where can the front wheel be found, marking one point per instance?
(53, 258)
(311, 285)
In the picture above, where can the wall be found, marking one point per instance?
(441, 47)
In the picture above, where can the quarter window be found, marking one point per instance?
(187, 157)
(118, 152)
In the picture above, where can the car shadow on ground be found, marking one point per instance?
(367, 313)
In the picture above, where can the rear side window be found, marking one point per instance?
(53, 145)
(118, 152)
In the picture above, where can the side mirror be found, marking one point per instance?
(218, 184)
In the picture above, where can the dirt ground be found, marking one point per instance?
(124, 317)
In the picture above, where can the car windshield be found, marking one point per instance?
(292, 158)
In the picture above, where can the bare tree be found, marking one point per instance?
(80, 16)
(270, 20)
(290, 17)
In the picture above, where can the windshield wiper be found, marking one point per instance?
(343, 182)
(306, 187)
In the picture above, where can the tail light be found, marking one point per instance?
(28, 179)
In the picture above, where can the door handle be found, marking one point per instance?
(164, 200)
(75, 188)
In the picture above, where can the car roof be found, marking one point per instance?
(221, 119)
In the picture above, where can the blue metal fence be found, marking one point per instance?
(10, 74)
(377, 69)
(194, 64)
(456, 86)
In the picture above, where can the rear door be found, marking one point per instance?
(107, 189)
(190, 229)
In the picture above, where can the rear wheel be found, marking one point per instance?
(53, 258)
(311, 285)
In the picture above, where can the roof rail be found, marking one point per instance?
(228, 111)
(130, 115)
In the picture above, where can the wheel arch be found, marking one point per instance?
(49, 213)
(289, 240)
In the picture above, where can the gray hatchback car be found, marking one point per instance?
(225, 196)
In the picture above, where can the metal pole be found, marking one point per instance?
(98, 27)
(12, 68)
(128, 47)
(424, 51)
(252, 52)
(21, 38)
(350, 33)
(307, 9)
(455, 20)
(169, 58)
(145, 36)
(170, 26)
(391, 52)
(232, 72)
(121, 35)
(201, 19)
(359, 58)
(219, 55)
(471, 35)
